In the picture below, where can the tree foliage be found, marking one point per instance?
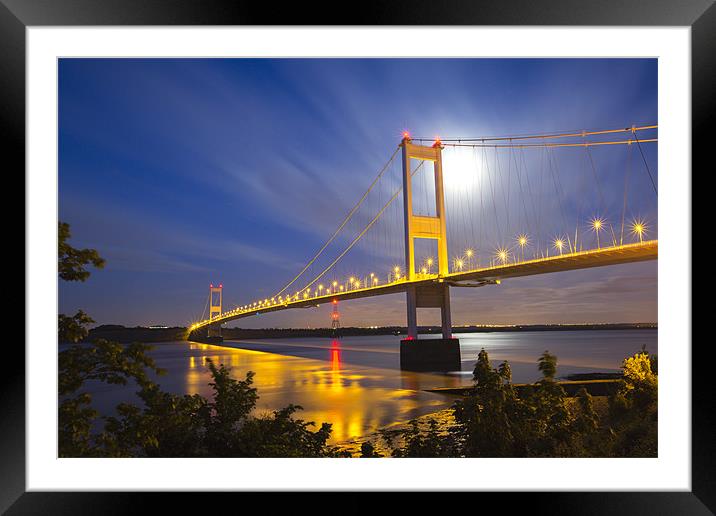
(71, 264)
(103, 361)
(547, 364)
(71, 261)
(499, 420)
(633, 409)
(73, 328)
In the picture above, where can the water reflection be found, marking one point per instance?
(336, 378)
(355, 398)
(356, 383)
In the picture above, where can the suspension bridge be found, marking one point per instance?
(471, 212)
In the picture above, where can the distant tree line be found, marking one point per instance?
(121, 333)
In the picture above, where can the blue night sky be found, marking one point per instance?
(183, 172)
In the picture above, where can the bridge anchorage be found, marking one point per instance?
(427, 354)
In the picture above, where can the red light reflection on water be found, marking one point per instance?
(335, 355)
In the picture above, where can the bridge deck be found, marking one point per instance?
(558, 263)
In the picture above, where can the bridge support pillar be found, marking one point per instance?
(213, 333)
(445, 318)
(411, 299)
(434, 296)
(429, 354)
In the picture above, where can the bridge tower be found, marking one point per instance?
(215, 301)
(432, 354)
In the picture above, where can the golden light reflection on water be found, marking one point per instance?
(356, 400)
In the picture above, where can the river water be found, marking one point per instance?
(356, 383)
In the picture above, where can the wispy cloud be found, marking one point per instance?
(238, 170)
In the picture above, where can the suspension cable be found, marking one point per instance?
(626, 186)
(653, 184)
(363, 232)
(573, 134)
(205, 306)
(340, 227)
(538, 145)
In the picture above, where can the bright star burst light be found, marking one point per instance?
(469, 253)
(597, 224)
(522, 241)
(558, 244)
(639, 228)
(502, 254)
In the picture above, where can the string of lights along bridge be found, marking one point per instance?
(474, 211)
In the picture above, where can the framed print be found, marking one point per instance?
(304, 254)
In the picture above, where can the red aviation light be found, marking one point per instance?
(406, 134)
(221, 286)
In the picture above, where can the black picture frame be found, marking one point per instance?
(17, 15)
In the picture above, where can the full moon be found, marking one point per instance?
(461, 168)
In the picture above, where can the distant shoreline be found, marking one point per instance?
(145, 334)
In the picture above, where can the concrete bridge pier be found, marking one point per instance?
(211, 334)
(442, 354)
